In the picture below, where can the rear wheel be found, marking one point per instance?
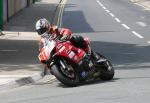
(107, 70)
(65, 73)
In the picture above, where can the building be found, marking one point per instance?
(8, 8)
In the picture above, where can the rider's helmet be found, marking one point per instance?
(42, 26)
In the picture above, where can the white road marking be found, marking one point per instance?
(117, 20)
(141, 24)
(142, 17)
(137, 34)
(104, 7)
(99, 3)
(59, 21)
(124, 25)
(111, 14)
(7, 50)
(107, 11)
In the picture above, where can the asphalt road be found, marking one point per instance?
(18, 52)
(119, 30)
(18, 55)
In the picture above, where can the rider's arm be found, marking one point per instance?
(62, 33)
(66, 34)
(55, 30)
(41, 43)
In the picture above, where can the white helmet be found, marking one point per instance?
(42, 26)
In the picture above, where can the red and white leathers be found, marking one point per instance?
(63, 33)
(53, 33)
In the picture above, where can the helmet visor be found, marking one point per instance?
(41, 31)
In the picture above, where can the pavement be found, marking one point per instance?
(21, 27)
(143, 3)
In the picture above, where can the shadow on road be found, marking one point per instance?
(23, 54)
(73, 23)
(127, 56)
(18, 54)
(25, 20)
(92, 82)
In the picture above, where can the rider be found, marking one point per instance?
(47, 31)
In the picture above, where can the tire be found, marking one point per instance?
(107, 72)
(66, 80)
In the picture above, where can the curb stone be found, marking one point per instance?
(143, 3)
(20, 82)
(24, 81)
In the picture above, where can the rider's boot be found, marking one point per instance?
(91, 53)
(94, 55)
(45, 71)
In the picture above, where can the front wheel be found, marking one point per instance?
(65, 73)
(107, 70)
